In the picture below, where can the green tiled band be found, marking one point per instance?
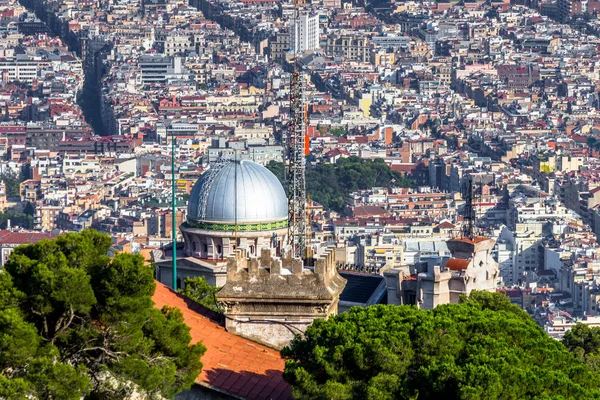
(232, 227)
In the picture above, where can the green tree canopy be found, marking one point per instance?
(330, 184)
(593, 143)
(584, 342)
(341, 131)
(29, 209)
(12, 180)
(277, 169)
(201, 292)
(16, 219)
(483, 348)
(74, 322)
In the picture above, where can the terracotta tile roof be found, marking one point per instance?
(478, 239)
(367, 210)
(457, 264)
(232, 364)
(446, 225)
(17, 238)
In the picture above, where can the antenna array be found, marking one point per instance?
(295, 144)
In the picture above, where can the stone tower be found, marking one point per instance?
(271, 299)
(442, 280)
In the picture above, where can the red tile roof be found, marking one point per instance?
(478, 239)
(457, 264)
(232, 364)
(17, 238)
(446, 225)
(364, 211)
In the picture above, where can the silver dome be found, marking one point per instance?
(259, 196)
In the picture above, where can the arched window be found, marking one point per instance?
(204, 248)
(219, 250)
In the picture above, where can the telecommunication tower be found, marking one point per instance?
(295, 159)
(468, 230)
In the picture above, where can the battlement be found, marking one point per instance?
(242, 267)
(270, 299)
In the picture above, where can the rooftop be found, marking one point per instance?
(359, 287)
(233, 365)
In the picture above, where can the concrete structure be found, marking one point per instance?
(234, 233)
(279, 44)
(520, 253)
(305, 33)
(244, 150)
(154, 68)
(270, 299)
(559, 326)
(353, 47)
(158, 68)
(442, 280)
(177, 44)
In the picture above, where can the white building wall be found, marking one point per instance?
(305, 33)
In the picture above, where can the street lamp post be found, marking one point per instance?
(174, 211)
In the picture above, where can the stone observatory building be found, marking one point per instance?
(270, 299)
(235, 204)
(235, 237)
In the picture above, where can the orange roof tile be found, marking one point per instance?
(231, 363)
(17, 238)
(457, 264)
(475, 240)
(446, 225)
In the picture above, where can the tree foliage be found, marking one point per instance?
(482, 348)
(12, 180)
(341, 131)
(584, 342)
(593, 143)
(277, 169)
(29, 209)
(330, 184)
(16, 219)
(74, 323)
(201, 292)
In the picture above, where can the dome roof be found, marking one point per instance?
(237, 191)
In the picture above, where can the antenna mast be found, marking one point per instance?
(295, 154)
(468, 217)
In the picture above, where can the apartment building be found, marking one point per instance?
(305, 33)
(20, 70)
(178, 44)
(351, 46)
(158, 68)
(518, 76)
(279, 45)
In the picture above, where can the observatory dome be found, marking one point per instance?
(239, 191)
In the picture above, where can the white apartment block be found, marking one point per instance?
(519, 253)
(305, 33)
(178, 44)
(23, 71)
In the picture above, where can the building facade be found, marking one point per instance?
(305, 33)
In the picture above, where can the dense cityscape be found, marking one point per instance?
(315, 161)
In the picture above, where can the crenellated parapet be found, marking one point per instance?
(270, 299)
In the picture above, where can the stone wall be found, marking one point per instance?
(270, 299)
